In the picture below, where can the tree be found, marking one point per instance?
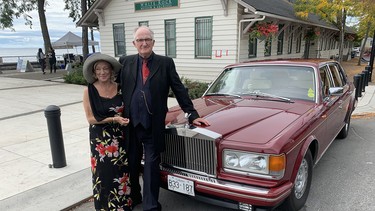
(333, 11)
(366, 19)
(78, 8)
(11, 9)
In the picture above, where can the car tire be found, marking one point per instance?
(297, 199)
(345, 130)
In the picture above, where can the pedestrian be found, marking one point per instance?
(52, 60)
(145, 82)
(103, 106)
(41, 59)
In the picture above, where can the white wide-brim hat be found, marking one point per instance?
(88, 66)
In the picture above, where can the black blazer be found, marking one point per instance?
(163, 75)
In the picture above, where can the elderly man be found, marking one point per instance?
(145, 81)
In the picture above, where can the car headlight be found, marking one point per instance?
(254, 163)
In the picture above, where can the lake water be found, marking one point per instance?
(13, 54)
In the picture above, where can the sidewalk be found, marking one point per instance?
(366, 103)
(27, 182)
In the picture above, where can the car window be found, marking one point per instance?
(296, 82)
(226, 81)
(336, 77)
(324, 81)
(342, 74)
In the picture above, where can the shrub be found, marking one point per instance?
(195, 88)
(75, 76)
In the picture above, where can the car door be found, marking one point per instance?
(330, 106)
(340, 101)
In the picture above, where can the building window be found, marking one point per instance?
(252, 47)
(170, 38)
(267, 46)
(143, 23)
(280, 41)
(321, 41)
(290, 40)
(326, 44)
(119, 39)
(203, 37)
(299, 42)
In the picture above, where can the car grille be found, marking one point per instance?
(198, 155)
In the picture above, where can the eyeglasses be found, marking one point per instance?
(147, 40)
(104, 69)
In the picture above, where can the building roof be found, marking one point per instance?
(283, 9)
(279, 9)
(90, 19)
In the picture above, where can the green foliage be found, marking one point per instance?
(10, 9)
(366, 18)
(331, 11)
(75, 8)
(195, 88)
(75, 76)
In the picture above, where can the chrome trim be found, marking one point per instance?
(191, 149)
(282, 196)
(235, 187)
(253, 174)
(193, 132)
(217, 182)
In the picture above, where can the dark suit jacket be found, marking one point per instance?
(162, 76)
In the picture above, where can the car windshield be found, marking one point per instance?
(279, 81)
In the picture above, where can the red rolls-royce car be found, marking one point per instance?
(271, 122)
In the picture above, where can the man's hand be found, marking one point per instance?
(201, 122)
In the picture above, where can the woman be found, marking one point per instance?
(103, 107)
(41, 59)
(52, 60)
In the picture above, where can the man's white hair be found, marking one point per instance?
(143, 27)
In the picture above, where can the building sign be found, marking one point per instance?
(147, 5)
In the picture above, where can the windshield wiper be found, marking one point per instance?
(223, 94)
(262, 94)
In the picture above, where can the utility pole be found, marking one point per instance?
(372, 57)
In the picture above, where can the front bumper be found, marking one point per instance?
(234, 193)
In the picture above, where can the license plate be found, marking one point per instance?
(181, 185)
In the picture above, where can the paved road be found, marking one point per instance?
(343, 180)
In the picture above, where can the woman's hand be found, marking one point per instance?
(121, 120)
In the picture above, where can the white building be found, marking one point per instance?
(203, 36)
(368, 44)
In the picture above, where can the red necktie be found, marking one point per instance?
(145, 71)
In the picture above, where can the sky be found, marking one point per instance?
(58, 24)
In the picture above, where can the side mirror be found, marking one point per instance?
(336, 91)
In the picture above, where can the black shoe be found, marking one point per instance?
(136, 197)
(136, 202)
(44, 73)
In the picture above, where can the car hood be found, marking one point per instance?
(244, 119)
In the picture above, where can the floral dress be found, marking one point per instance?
(109, 162)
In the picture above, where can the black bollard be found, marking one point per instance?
(356, 80)
(359, 87)
(362, 82)
(366, 77)
(369, 69)
(52, 113)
